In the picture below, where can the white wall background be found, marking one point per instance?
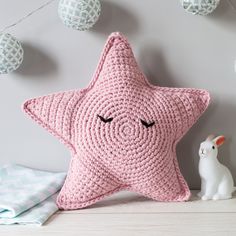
(172, 47)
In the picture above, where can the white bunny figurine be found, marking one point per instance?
(216, 179)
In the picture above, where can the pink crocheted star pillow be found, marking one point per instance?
(121, 130)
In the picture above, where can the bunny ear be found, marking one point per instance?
(219, 140)
(210, 137)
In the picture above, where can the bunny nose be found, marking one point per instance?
(202, 150)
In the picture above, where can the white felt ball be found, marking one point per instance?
(11, 53)
(79, 14)
(200, 7)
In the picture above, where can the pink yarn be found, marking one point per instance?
(121, 130)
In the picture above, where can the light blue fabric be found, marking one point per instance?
(22, 189)
(36, 215)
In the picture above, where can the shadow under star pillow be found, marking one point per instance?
(121, 130)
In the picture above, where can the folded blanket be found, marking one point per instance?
(23, 188)
(36, 215)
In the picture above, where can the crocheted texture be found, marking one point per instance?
(79, 14)
(11, 53)
(200, 7)
(121, 130)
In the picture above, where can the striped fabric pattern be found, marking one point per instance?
(32, 187)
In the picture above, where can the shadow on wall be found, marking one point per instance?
(36, 63)
(154, 67)
(115, 18)
(225, 125)
(225, 14)
(218, 119)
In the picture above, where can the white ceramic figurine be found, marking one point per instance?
(216, 179)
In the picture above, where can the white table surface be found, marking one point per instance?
(129, 214)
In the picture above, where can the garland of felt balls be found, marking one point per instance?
(77, 14)
(11, 53)
(200, 7)
(80, 15)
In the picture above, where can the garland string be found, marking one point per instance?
(27, 16)
(51, 1)
(232, 5)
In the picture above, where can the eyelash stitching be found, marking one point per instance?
(105, 120)
(110, 119)
(146, 124)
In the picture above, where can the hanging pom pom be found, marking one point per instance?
(200, 7)
(79, 14)
(11, 53)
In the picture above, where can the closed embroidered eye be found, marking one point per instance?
(147, 125)
(108, 120)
